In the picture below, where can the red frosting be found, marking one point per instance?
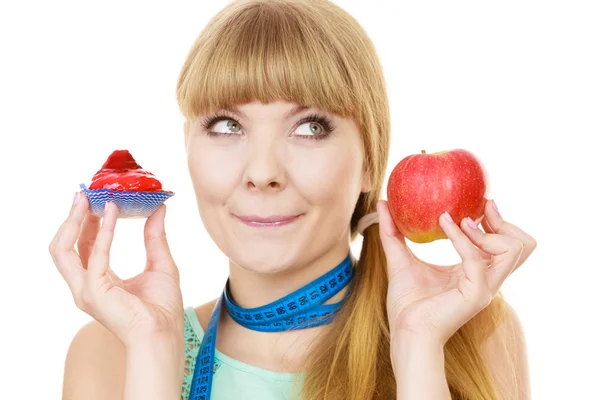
(121, 172)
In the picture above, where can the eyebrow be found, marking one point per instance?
(296, 110)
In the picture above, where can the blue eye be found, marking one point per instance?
(320, 128)
(228, 123)
(323, 131)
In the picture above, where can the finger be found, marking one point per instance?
(460, 241)
(71, 226)
(155, 239)
(504, 249)
(473, 285)
(394, 244)
(481, 220)
(116, 280)
(100, 256)
(89, 231)
(62, 248)
(494, 223)
(486, 226)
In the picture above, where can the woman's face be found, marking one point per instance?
(266, 163)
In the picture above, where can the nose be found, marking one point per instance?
(265, 169)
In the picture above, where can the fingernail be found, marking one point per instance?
(106, 207)
(448, 217)
(76, 198)
(471, 223)
(495, 206)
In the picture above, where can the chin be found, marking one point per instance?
(265, 257)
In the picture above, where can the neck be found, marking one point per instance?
(275, 351)
(250, 289)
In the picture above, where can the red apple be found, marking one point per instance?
(422, 186)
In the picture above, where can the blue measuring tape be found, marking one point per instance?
(301, 309)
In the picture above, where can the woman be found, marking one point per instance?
(287, 135)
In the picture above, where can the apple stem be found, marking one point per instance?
(422, 151)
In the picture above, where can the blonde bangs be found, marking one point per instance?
(267, 51)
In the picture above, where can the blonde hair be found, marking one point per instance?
(312, 52)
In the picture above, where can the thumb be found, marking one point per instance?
(158, 254)
(397, 252)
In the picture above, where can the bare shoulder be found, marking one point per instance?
(505, 354)
(204, 312)
(95, 365)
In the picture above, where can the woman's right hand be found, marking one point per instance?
(146, 307)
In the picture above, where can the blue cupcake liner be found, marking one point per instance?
(130, 204)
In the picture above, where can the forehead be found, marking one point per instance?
(286, 109)
(277, 109)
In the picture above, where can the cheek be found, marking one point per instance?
(212, 176)
(328, 178)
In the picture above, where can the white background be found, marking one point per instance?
(515, 82)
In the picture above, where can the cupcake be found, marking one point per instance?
(121, 180)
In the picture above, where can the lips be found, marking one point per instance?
(273, 221)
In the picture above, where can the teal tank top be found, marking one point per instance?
(233, 379)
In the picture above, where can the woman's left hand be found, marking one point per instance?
(433, 301)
